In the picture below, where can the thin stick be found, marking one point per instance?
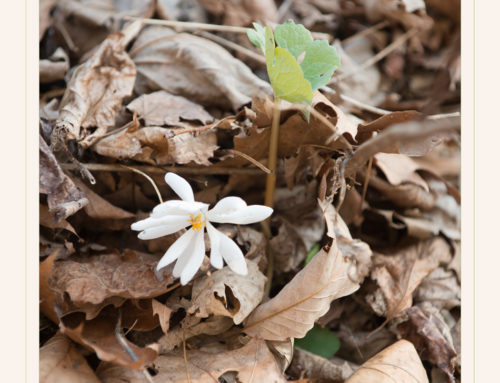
(250, 159)
(189, 25)
(148, 178)
(365, 185)
(212, 170)
(148, 376)
(273, 154)
(229, 44)
(357, 103)
(365, 32)
(379, 56)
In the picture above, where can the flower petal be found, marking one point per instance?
(228, 205)
(176, 249)
(243, 216)
(195, 259)
(232, 254)
(153, 222)
(215, 255)
(160, 231)
(180, 186)
(176, 207)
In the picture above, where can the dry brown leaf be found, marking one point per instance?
(63, 197)
(154, 145)
(92, 279)
(192, 67)
(44, 16)
(241, 12)
(410, 13)
(162, 108)
(250, 364)
(316, 367)
(366, 130)
(187, 10)
(96, 90)
(397, 363)
(282, 351)
(99, 334)
(399, 274)
(60, 362)
(306, 297)
(399, 169)
(48, 220)
(228, 294)
(429, 340)
(55, 67)
(164, 313)
(440, 288)
(86, 23)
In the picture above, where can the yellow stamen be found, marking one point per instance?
(197, 222)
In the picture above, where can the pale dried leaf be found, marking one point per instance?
(399, 169)
(164, 312)
(440, 288)
(192, 67)
(282, 351)
(228, 294)
(95, 278)
(60, 362)
(64, 198)
(241, 12)
(305, 298)
(96, 90)
(55, 67)
(162, 108)
(397, 363)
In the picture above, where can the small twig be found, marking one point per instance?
(148, 178)
(273, 154)
(249, 159)
(173, 287)
(285, 5)
(149, 378)
(189, 25)
(355, 102)
(365, 32)
(231, 45)
(365, 185)
(131, 327)
(379, 56)
(212, 170)
(185, 355)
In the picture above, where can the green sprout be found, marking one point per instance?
(298, 65)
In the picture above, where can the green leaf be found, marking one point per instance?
(293, 37)
(319, 63)
(287, 79)
(319, 341)
(257, 36)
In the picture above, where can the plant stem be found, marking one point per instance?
(270, 188)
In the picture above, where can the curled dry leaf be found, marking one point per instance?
(398, 275)
(227, 293)
(154, 145)
(64, 198)
(192, 67)
(60, 361)
(100, 335)
(366, 130)
(44, 16)
(96, 90)
(241, 12)
(439, 288)
(397, 363)
(55, 67)
(429, 340)
(305, 298)
(48, 220)
(282, 351)
(162, 108)
(94, 278)
(250, 363)
(399, 169)
(318, 368)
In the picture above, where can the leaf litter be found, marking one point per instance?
(367, 189)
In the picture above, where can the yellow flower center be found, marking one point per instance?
(197, 222)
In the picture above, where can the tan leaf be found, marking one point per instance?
(366, 130)
(96, 90)
(55, 67)
(431, 344)
(399, 169)
(250, 364)
(242, 12)
(228, 294)
(163, 312)
(48, 220)
(305, 298)
(63, 197)
(397, 363)
(192, 67)
(99, 334)
(439, 288)
(398, 275)
(162, 108)
(60, 362)
(92, 279)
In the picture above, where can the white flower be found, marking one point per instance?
(189, 249)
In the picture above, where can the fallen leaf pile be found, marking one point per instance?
(364, 240)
